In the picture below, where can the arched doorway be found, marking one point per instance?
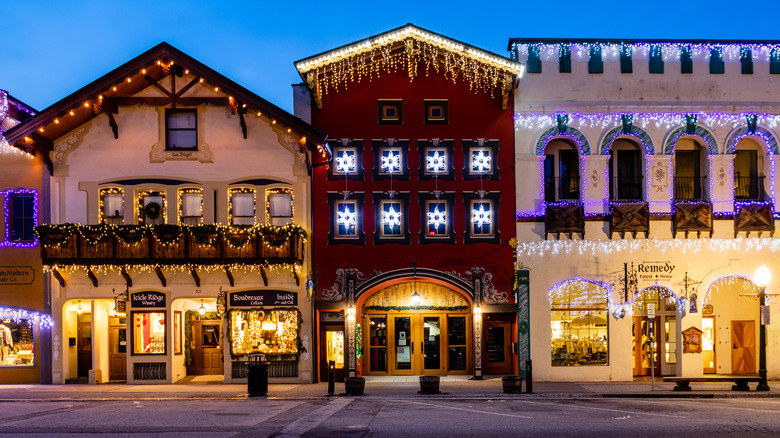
(416, 328)
(729, 341)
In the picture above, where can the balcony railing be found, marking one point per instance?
(625, 188)
(689, 188)
(749, 188)
(71, 244)
(565, 187)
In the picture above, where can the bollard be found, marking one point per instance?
(529, 380)
(331, 377)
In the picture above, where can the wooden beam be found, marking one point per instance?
(195, 276)
(109, 109)
(162, 101)
(58, 276)
(230, 276)
(158, 86)
(92, 277)
(127, 278)
(297, 278)
(161, 276)
(265, 275)
(44, 146)
(187, 87)
(241, 111)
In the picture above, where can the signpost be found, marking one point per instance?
(523, 326)
(651, 317)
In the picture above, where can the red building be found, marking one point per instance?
(413, 263)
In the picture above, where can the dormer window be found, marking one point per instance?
(181, 129)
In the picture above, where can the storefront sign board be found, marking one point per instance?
(16, 275)
(523, 320)
(147, 299)
(259, 298)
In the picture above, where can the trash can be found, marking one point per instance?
(257, 376)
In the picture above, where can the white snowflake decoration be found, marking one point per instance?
(437, 218)
(391, 217)
(480, 162)
(345, 162)
(347, 218)
(436, 162)
(480, 217)
(391, 162)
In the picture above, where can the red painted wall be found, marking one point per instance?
(352, 113)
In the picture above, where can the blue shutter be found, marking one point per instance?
(716, 61)
(534, 63)
(595, 63)
(686, 60)
(564, 58)
(626, 66)
(656, 59)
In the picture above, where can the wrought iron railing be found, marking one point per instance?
(689, 188)
(749, 188)
(561, 188)
(625, 188)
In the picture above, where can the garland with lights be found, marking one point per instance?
(167, 234)
(130, 234)
(205, 235)
(94, 234)
(237, 236)
(54, 235)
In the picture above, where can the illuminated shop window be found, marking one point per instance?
(17, 343)
(190, 206)
(148, 332)
(438, 220)
(151, 207)
(279, 206)
(264, 331)
(482, 218)
(241, 206)
(346, 218)
(392, 219)
(346, 161)
(579, 324)
(112, 205)
(390, 161)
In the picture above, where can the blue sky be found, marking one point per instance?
(53, 48)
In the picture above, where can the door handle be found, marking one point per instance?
(411, 344)
(734, 346)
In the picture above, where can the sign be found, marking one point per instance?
(651, 310)
(522, 277)
(654, 272)
(147, 299)
(258, 298)
(764, 315)
(16, 275)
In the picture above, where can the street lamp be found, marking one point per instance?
(763, 275)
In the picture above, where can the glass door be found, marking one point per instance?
(402, 342)
(431, 345)
(708, 344)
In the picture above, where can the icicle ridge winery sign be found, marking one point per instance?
(258, 298)
(16, 275)
(147, 299)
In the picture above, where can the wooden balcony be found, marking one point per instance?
(754, 216)
(567, 218)
(629, 217)
(692, 216)
(96, 245)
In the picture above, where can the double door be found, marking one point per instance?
(416, 344)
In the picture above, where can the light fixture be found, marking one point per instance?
(201, 309)
(477, 310)
(763, 275)
(79, 310)
(113, 310)
(415, 299)
(351, 314)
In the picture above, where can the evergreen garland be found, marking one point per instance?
(130, 234)
(448, 309)
(238, 236)
(92, 234)
(205, 235)
(167, 234)
(54, 235)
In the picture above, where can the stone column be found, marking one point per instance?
(595, 184)
(660, 183)
(721, 182)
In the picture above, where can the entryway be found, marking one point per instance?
(117, 350)
(206, 348)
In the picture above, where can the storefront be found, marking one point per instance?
(20, 345)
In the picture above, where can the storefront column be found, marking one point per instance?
(477, 327)
(660, 185)
(722, 172)
(351, 326)
(688, 364)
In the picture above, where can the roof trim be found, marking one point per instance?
(645, 41)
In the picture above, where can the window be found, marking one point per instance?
(390, 112)
(347, 160)
(595, 63)
(149, 333)
(561, 172)
(746, 58)
(346, 218)
(112, 206)
(774, 61)
(480, 159)
(579, 324)
(686, 60)
(279, 206)
(190, 206)
(436, 220)
(181, 130)
(264, 331)
(241, 206)
(17, 342)
(436, 159)
(626, 65)
(656, 59)
(534, 62)
(151, 207)
(391, 218)
(436, 112)
(564, 58)
(716, 61)
(21, 212)
(390, 159)
(481, 217)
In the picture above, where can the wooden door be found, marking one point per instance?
(117, 353)
(84, 344)
(206, 348)
(642, 346)
(332, 349)
(497, 358)
(743, 347)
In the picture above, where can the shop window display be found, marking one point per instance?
(264, 331)
(148, 333)
(579, 324)
(16, 343)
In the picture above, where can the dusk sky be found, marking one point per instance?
(53, 48)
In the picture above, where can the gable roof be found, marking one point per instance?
(406, 47)
(105, 94)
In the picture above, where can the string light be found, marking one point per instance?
(436, 163)
(391, 161)
(241, 190)
(9, 194)
(391, 218)
(480, 161)
(480, 217)
(276, 191)
(347, 218)
(345, 161)
(437, 218)
(23, 315)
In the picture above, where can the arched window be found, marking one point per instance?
(748, 171)
(625, 171)
(579, 323)
(561, 171)
(690, 171)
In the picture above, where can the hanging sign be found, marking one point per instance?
(147, 299)
(258, 298)
(654, 272)
(16, 275)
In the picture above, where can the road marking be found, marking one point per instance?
(713, 405)
(604, 409)
(314, 419)
(462, 409)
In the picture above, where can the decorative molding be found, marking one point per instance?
(63, 147)
(338, 292)
(569, 132)
(158, 154)
(760, 133)
(700, 132)
(636, 133)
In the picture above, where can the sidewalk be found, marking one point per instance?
(458, 387)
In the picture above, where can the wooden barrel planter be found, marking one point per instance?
(429, 385)
(354, 385)
(512, 384)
